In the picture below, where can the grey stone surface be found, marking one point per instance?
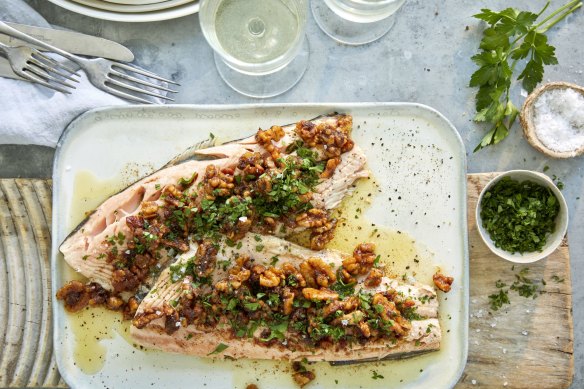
(425, 58)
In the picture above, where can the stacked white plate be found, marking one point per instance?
(131, 10)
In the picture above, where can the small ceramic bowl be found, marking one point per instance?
(526, 119)
(553, 240)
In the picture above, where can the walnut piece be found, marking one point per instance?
(145, 317)
(330, 167)
(288, 298)
(317, 273)
(252, 164)
(301, 375)
(361, 261)
(315, 217)
(265, 138)
(149, 209)
(217, 183)
(319, 294)
(373, 278)
(442, 282)
(269, 278)
(390, 314)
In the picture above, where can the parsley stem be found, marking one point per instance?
(544, 8)
(561, 17)
(559, 10)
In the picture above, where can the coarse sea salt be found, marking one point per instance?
(559, 119)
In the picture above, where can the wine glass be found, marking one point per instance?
(260, 46)
(355, 22)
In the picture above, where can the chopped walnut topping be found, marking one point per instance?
(77, 296)
(172, 195)
(263, 184)
(251, 164)
(266, 138)
(131, 308)
(205, 259)
(217, 183)
(391, 314)
(145, 317)
(114, 303)
(332, 138)
(74, 296)
(291, 270)
(442, 282)
(320, 236)
(149, 209)
(373, 279)
(361, 261)
(172, 320)
(330, 167)
(269, 279)
(365, 330)
(124, 280)
(317, 273)
(315, 217)
(302, 376)
(319, 294)
(288, 298)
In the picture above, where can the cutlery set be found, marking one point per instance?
(114, 76)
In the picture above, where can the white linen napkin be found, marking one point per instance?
(31, 113)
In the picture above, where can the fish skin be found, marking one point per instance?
(190, 153)
(83, 247)
(201, 344)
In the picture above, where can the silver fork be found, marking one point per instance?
(34, 66)
(104, 73)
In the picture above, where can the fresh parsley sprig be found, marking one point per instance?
(512, 36)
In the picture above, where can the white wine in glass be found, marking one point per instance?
(355, 22)
(260, 46)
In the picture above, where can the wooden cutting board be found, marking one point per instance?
(528, 344)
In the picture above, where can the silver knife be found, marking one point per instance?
(74, 42)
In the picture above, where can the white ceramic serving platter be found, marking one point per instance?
(415, 155)
(137, 13)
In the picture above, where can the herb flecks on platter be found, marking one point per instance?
(523, 285)
(512, 36)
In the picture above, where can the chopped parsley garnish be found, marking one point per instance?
(274, 260)
(251, 306)
(524, 286)
(497, 300)
(376, 375)
(219, 349)
(341, 288)
(277, 331)
(519, 215)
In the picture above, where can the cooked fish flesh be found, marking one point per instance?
(279, 181)
(285, 302)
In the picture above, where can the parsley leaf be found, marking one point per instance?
(219, 349)
(498, 299)
(511, 35)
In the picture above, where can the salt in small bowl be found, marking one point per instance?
(526, 119)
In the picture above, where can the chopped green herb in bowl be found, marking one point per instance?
(522, 216)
